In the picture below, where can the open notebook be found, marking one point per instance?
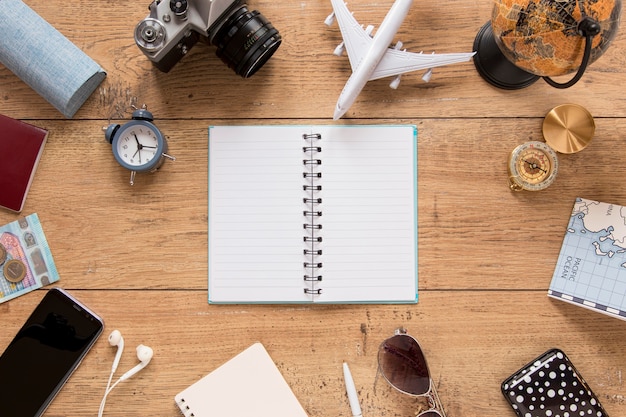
(301, 214)
(249, 384)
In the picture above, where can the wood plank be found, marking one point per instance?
(138, 255)
(303, 79)
(473, 231)
(473, 341)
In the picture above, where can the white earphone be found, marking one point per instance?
(116, 339)
(144, 354)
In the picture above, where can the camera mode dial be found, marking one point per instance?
(179, 8)
(150, 34)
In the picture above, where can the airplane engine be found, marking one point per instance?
(395, 83)
(330, 19)
(428, 75)
(339, 49)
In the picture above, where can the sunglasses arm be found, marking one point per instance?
(433, 398)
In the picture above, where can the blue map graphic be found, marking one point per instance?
(591, 268)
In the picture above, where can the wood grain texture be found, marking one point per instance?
(473, 340)
(138, 255)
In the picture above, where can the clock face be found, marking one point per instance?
(533, 166)
(138, 145)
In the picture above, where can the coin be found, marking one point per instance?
(3, 254)
(14, 270)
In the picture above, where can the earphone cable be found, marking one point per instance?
(106, 393)
(108, 389)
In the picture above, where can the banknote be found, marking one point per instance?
(25, 258)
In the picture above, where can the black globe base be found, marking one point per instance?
(493, 66)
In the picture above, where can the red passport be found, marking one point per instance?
(21, 146)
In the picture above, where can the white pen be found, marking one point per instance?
(351, 391)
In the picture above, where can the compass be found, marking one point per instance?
(532, 166)
(568, 128)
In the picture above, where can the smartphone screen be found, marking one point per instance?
(45, 352)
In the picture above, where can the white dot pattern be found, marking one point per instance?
(550, 386)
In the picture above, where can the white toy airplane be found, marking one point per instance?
(371, 57)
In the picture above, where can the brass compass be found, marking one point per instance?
(532, 166)
(568, 128)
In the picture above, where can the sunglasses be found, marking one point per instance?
(402, 363)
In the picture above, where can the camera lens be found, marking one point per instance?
(246, 41)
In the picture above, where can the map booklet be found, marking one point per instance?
(25, 259)
(591, 268)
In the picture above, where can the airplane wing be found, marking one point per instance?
(356, 40)
(394, 62)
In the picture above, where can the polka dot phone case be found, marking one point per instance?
(550, 386)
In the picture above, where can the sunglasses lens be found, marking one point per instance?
(430, 413)
(403, 364)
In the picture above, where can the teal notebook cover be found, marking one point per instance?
(312, 214)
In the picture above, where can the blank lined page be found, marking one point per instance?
(369, 214)
(361, 223)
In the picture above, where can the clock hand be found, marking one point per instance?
(139, 147)
(534, 166)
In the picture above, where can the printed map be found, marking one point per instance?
(591, 269)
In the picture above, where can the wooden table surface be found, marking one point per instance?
(137, 255)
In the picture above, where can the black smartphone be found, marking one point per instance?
(45, 352)
(550, 386)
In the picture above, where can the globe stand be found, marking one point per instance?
(494, 67)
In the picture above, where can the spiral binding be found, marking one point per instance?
(312, 213)
(184, 408)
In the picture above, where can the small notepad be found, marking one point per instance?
(249, 384)
(313, 214)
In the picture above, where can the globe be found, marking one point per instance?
(529, 39)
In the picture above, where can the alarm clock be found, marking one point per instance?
(138, 145)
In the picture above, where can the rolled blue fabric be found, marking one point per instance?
(45, 59)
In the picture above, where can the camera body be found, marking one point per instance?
(245, 40)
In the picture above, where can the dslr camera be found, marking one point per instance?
(245, 40)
